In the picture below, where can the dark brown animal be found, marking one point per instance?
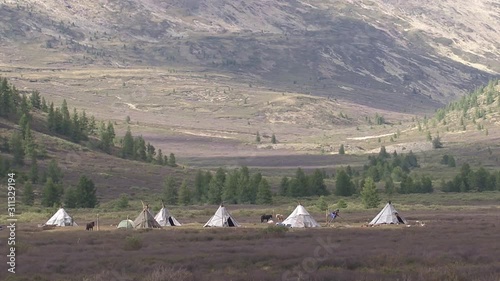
(90, 226)
(265, 218)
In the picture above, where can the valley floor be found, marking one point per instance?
(454, 244)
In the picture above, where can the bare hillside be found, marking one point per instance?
(380, 51)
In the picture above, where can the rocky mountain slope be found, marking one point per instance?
(378, 53)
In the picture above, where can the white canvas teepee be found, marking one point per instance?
(388, 215)
(164, 218)
(61, 218)
(222, 218)
(300, 217)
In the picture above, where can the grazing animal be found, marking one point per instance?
(280, 217)
(90, 226)
(265, 218)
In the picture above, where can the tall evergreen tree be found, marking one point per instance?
(317, 184)
(230, 190)
(35, 100)
(184, 194)
(273, 139)
(199, 187)
(52, 193)
(54, 172)
(17, 148)
(140, 149)
(34, 170)
(264, 194)
(369, 194)
(169, 191)
(341, 149)
(86, 193)
(45, 108)
(244, 189)
(171, 160)
(128, 145)
(284, 186)
(66, 120)
(75, 128)
(24, 124)
(28, 195)
(159, 157)
(71, 198)
(51, 118)
(343, 184)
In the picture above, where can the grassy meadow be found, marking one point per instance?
(455, 238)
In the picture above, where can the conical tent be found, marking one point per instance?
(127, 224)
(146, 220)
(164, 218)
(300, 217)
(222, 218)
(61, 218)
(388, 215)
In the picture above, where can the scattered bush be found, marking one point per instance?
(132, 243)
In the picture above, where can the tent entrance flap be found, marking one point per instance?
(171, 221)
(230, 222)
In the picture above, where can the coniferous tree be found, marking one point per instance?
(273, 139)
(389, 186)
(24, 105)
(343, 184)
(171, 160)
(322, 204)
(52, 193)
(215, 187)
(169, 191)
(54, 172)
(66, 120)
(35, 100)
(255, 180)
(28, 195)
(29, 143)
(45, 108)
(84, 125)
(230, 189)
(199, 187)
(51, 118)
(214, 191)
(341, 149)
(34, 170)
(86, 193)
(369, 194)
(317, 184)
(128, 145)
(159, 157)
(17, 148)
(257, 137)
(92, 125)
(150, 153)
(140, 149)
(24, 124)
(284, 186)
(71, 198)
(264, 194)
(184, 194)
(75, 127)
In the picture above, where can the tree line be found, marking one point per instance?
(237, 186)
(468, 180)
